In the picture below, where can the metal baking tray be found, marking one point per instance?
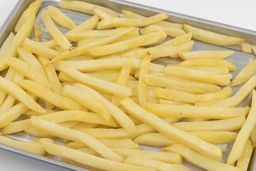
(239, 58)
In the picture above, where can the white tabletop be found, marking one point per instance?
(240, 13)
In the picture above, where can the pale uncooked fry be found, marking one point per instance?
(245, 74)
(27, 71)
(113, 143)
(116, 113)
(253, 137)
(170, 31)
(213, 69)
(202, 76)
(176, 95)
(205, 54)
(159, 165)
(199, 160)
(32, 9)
(123, 79)
(164, 101)
(180, 84)
(57, 35)
(49, 44)
(48, 95)
(38, 49)
(184, 111)
(244, 160)
(137, 41)
(244, 133)
(88, 159)
(87, 100)
(102, 14)
(216, 96)
(14, 90)
(240, 95)
(154, 139)
(246, 47)
(212, 37)
(33, 147)
(178, 40)
(37, 33)
(168, 130)
(131, 22)
(254, 50)
(209, 62)
(17, 41)
(231, 124)
(102, 85)
(85, 7)
(61, 18)
(71, 134)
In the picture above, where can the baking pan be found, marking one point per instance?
(239, 58)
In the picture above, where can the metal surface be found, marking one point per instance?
(239, 58)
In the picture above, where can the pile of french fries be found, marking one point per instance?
(94, 94)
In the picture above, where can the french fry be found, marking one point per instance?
(168, 130)
(231, 124)
(37, 33)
(178, 40)
(209, 62)
(102, 85)
(244, 133)
(85, 7)
(170, 31)
(131, 22)
(245, 74)
(156, 155)
(67, 133)
(199, 160)
(48, 95)
(138, 41)
(14, 90)
(195, 75)
(38, 49)
(101, 13)
(17, 41)
(205, 54)
(57, 35)
(240, 95)
(246, 47)
(117, 113)
(154, 139)
(33, 147)
(180, 84)
(211, 37)
(87, 159)
(32, 9)
(244, 160)
(87, 100)
(159, 165)
(254, 50)
(164, 101)
(253, 137)
(61, 18)
(183, 111)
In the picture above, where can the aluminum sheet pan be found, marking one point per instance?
(239, 58)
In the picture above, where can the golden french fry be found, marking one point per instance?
(38, 49)
(33, 8)
(245, 74)
(240, 95)
(33, 147)
(14, 90)
(244, 133)
(170, 31)
(244, 160)
(168, 130)
(211, 37)
(85, 7)
(231, 124)
(137, 41)
(199, 160)
(196, 75)
(17, 41)
(246, 47)
(61, 18)
(48, 95)
(71, 134)
(117, 113)
(131, 22)
(159, 165)
(88, 159)
(57, 35)
(87, 100)
(37, 32)
(205, 54)
(180, 84)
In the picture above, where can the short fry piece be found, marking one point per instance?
(246, 47)
(244, 160)
(205, 54)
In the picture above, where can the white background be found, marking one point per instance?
(240, 13)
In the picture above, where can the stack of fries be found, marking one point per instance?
(99, 90)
